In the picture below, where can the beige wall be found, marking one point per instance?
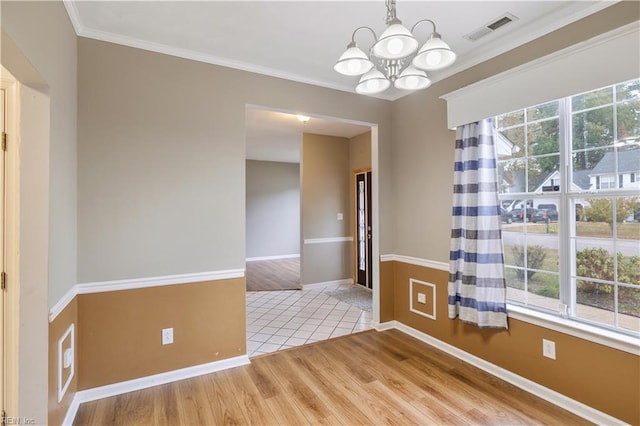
(325, 193)
(273, 208)
(161, 159)
(360, 152)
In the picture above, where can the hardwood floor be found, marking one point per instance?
(268, 275)
(366, 378)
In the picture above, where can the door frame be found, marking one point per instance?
(10, 250)
(354, 225)
(375, 195)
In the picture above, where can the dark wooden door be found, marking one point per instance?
(364, 231)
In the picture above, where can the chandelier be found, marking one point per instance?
(393, 57)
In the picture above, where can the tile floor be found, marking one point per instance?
(283, 319)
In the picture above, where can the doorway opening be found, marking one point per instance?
(327, 159)
(272, 201)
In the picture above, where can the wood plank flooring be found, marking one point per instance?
(269, 275)
(366, 378)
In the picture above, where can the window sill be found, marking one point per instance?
(591, 333)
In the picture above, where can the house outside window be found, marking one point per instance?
(573, 247)
(606, 182)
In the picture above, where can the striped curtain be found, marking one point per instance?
(477, 287)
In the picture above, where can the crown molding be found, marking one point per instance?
(524, 34)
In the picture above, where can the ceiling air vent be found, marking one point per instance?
(492, 26)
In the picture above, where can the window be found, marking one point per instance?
(607, 182)
(582, 259)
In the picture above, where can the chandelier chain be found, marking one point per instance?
(391, 10)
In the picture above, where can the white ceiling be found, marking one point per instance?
(276, 136)
(301, 40)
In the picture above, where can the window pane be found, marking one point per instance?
(511, 176)
(533, 288)
(515, 138)
(627, 216)
(589, 168)
(629, 308)
(592, 99)
(540, 170)
(543, 290)
(597, 218)
(544, 137)
(628, 115)
(539, 112)
(595, 301)
(594, 259)
(510, 119)
(593, 128)
(628, 90)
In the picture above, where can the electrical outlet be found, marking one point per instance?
(67, 358)
(167, 336)
(422, 298)
(340, 216)
(549, 348)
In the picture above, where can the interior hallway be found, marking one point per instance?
(279, 320)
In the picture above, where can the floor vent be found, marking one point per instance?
(492, 26)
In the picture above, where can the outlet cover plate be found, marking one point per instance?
(549, 348)
(167, 336)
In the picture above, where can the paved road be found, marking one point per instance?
(626, 247)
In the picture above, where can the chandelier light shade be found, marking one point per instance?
(435, 54)
(373, 82)
(412, 79)
(353, 61)
(393, 59)
(395, 42)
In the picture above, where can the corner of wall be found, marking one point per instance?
(58, 327)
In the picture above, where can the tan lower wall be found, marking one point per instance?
(387, 291)
(596, 375)
(119, 332)
(57, 328)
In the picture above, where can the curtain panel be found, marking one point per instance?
(477, 286)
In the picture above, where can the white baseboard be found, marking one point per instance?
(149, 381)
(71, 412)
(281, 256)
(314, 286)
(382, 326)
(562, 401)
